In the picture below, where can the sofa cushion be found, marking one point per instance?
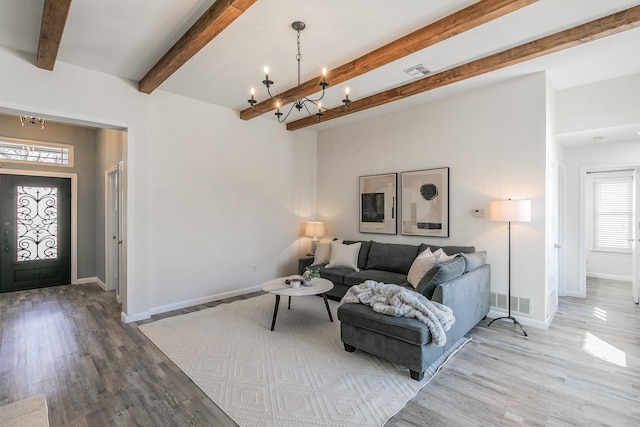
(420, 266)
(355, 278)
(403, 328)
(335, 275)
(322, 254)
(440, 273)
(444, 256)
(391, 257)
(451, 250)
(365, 246)
(474, 260)
(344, 255)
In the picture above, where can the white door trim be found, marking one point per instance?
(74, 209)
(109, 188)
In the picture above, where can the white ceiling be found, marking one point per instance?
(127, 37)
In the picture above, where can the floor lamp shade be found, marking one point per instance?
(510, 210)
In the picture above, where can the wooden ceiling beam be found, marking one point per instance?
(218, 17)
(477, 14)
(594, 30)
(54, 18)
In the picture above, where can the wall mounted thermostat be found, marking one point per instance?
(478, 213)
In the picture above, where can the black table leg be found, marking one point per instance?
(289, 302)
(275, 312)
(326, 303)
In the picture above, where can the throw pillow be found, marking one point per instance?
(323, 254)
(440, 273)
(344, 255)
(420, 266)
(443, 257)
(474, 260)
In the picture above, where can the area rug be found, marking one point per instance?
(296, 375)
(30, 412)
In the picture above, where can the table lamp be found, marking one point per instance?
(314, 229)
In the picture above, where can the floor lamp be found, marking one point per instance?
(510, 211)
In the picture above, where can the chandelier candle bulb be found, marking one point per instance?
(346, 101)
(266, 80)
(278, 113)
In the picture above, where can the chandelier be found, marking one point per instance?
(32, 122)
(299, 102)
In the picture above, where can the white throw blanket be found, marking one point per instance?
(397, 301)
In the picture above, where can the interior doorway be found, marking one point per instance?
(609, 226)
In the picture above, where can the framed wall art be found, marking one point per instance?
(378, 204)
(425, 202)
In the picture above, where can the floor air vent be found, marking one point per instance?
(518, 304)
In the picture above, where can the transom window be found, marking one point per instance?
(26, 151)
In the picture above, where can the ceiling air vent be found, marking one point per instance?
(418, 71)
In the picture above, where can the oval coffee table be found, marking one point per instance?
(278, 287)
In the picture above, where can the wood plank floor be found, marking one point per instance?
(68, 342)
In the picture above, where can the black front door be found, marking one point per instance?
(35, 219)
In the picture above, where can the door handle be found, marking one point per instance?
(556, 246)
(119, 242)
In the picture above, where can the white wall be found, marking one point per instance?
(205, 202)
(599, 105)
(493, 140)
(224, 195)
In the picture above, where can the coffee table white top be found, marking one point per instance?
(279, 287)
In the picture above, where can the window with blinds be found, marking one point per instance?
(613, 213)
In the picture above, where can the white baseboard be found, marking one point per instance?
(526, 321)
(134, 317)
(86, 280)
(610, 277)
(188, 303)
(574, 294)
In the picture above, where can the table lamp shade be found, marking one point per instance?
(314, 229)
(510, 210)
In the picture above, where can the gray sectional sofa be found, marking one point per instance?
(463, 284)
(382, 262)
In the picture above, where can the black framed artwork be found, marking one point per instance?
(378, 194)
(425, 202)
